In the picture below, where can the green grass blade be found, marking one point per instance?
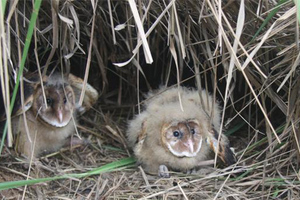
(298, 10)
(106, 168)
(15, 184)
(37, 5)
(269, 17)
(275, 194)
(235, 128)
(3, 6)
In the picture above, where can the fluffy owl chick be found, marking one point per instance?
(49, 119)
(176, 131)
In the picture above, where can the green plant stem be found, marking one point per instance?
(298, 10)
(3, 6)
(31, 27)
(106, 168)
(269, 17)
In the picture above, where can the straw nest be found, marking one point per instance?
(245, 53)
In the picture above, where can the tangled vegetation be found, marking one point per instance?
(245, 53)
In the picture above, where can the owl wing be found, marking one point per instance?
(90, 97)
(141, 137)
(224, 152)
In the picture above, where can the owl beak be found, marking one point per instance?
(60, 115)
(190, 145)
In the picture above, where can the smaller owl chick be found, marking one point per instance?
(48, 120)
(176, 131)
(48, 116)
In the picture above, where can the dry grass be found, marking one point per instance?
(217, 45)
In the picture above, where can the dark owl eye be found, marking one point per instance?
(65, 100)
(49, 101)
(193, 131)
(176, 134)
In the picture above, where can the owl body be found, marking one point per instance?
(49, 119)
(44, 138)
(176, 130)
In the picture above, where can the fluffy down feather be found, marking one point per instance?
(176, 130)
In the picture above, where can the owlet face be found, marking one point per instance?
(182, 139)
(60, 103)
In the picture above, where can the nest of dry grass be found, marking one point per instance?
(246, 53)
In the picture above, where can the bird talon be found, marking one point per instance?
(163, 171)
(191, 171)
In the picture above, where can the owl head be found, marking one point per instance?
(57, 106)
(182, 138)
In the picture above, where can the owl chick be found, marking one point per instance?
(176, 131)
(50, 119)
